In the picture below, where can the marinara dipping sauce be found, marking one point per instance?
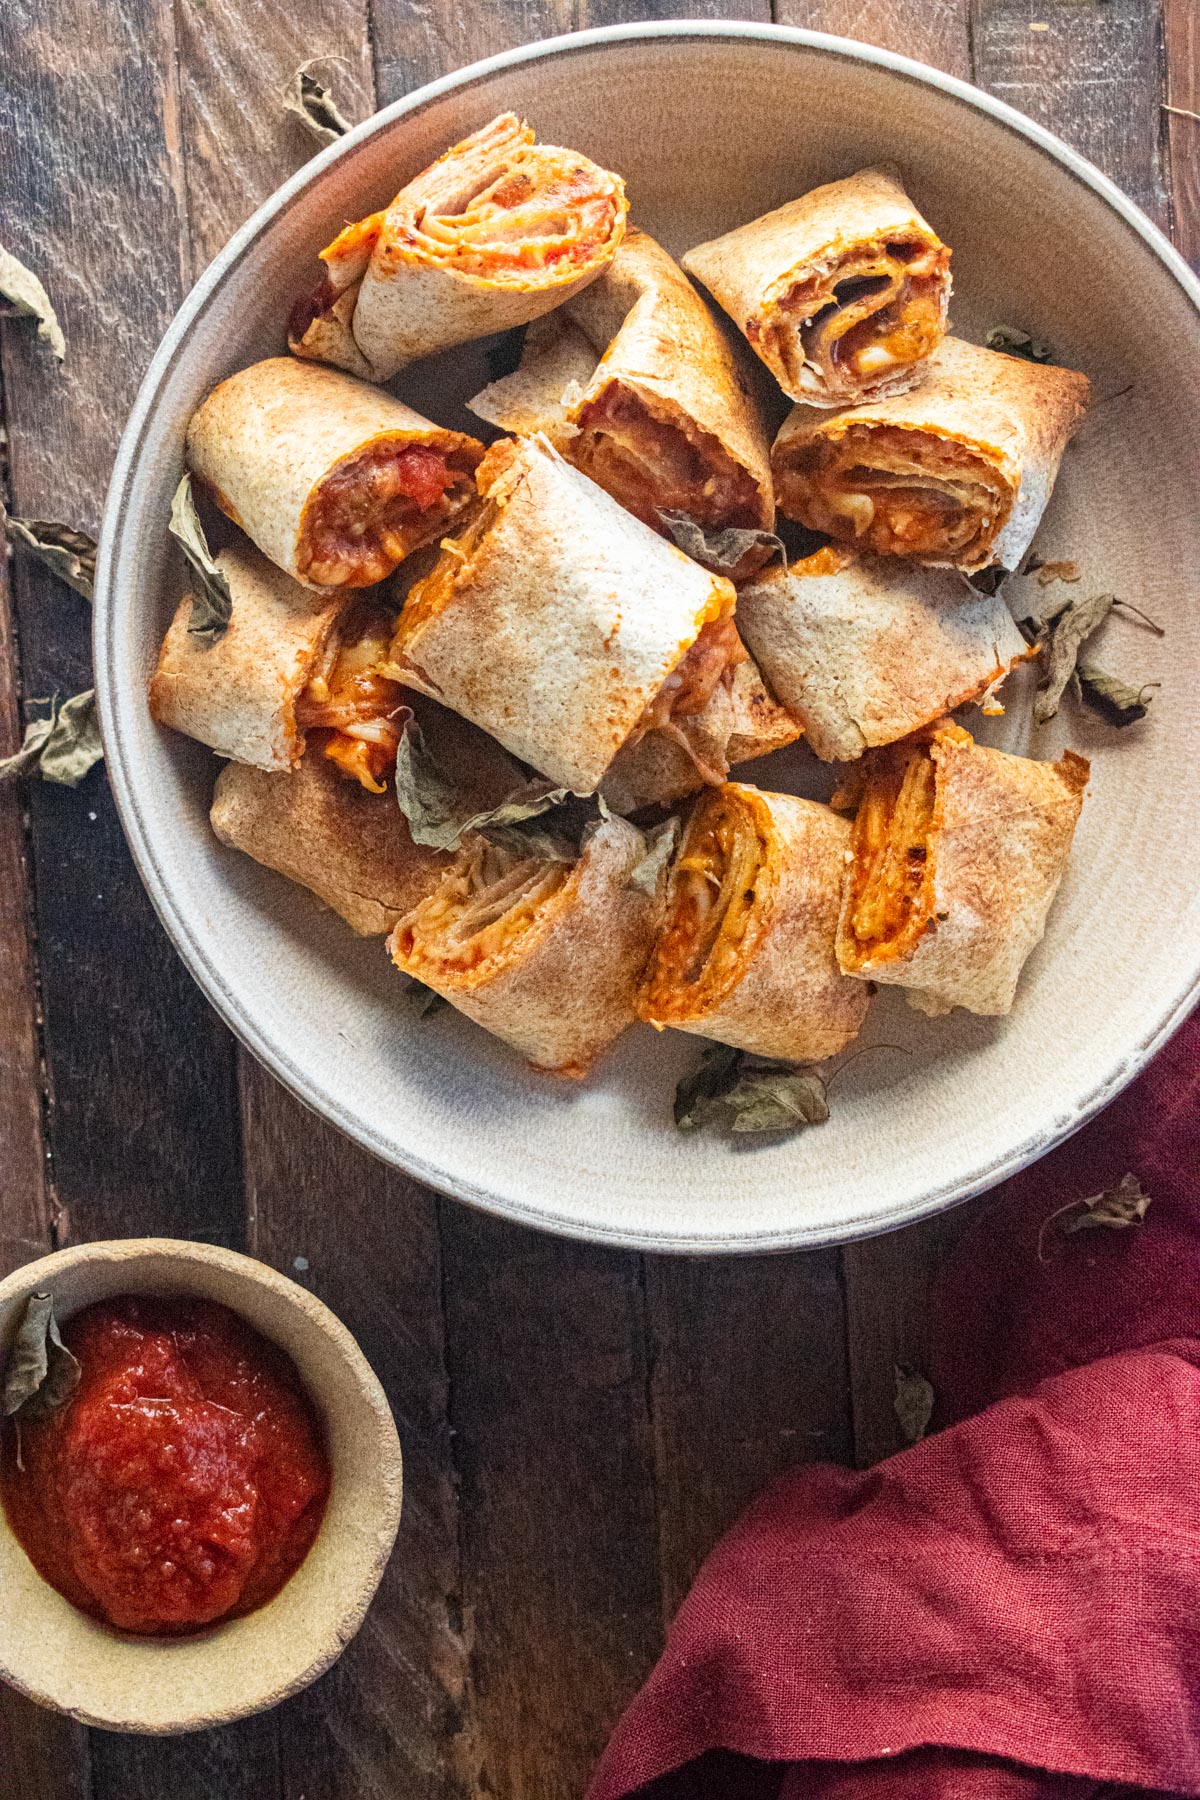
(183, 1482)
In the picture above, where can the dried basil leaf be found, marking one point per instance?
(700, 1091)
(1114, 699)
(313, 104)
(63, 746)
(1016, 342)
(40, 1374)
(1054, 571)
(913, 1402)
(720, 551)
(22, 289)
(749, 1094)
(438, 813)
(1116, 1208)
(546, 846)
(1070, 627)
(71, 555)
(647, 872)
(212, 603)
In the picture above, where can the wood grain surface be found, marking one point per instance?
(579, 1425)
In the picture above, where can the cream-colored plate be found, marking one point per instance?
(712, 125)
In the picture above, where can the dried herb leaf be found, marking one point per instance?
(63, 746)
(1114, 699)
(40, 1374)
(212, 603)
(1016, 342)
(71, 555)
(1054, 571)
(21, 288)
(749, 1094)
(647, 872)
(1069, 630)
(1116, 1208)
(313, 104)
(440, 816)
(546, 846)
(913, 1402)
(720, 551)
(699, 1092)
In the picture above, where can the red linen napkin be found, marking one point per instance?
(1010, 1610)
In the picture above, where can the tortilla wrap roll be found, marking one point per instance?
(843, 293)
(863, 650)
(543, 954)
(746, 950)
(498, 230)
(958, 853)
(956, 473)
(351, 848)
(334, 480)
(635, 383)
(741, 722)
(239, 693)
(561, 624)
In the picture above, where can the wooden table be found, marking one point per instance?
(578, 1424)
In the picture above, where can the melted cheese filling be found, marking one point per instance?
(356, 710)
(711, 907)
(374, 507)
(897, 492)
(880, 310)
(487, 902)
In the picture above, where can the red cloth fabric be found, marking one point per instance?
(1010, 1609)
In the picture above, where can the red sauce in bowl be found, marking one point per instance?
(184, 1481)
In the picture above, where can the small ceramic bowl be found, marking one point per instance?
(61, 1658)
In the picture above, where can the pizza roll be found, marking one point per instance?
(635, 383)
(561, 624)
(740, 722)
(864, 651)
(543, 954)
(958, 852)
(334, 480)
(956, 472)
(746, 950)
(499, 229)
(351, 848)
(843, 293)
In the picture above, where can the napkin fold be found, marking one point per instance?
(1011, 1608)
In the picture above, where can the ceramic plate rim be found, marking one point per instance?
(113, 697)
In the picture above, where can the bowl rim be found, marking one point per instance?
(334, 1632)
(111, 700)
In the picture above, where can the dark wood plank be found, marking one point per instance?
(548, 1404)
(141, 1113)
(1181, 44)
(393, 1716)
(749, 1377)
(1090, 73)
(932, 31)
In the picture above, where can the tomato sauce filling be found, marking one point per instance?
(374, 507)
(884, 311)
(532, 210)
(186, 1479)
(652, 465)
(487, 902)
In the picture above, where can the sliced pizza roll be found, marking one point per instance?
(499, 229)
(843, 293)
(561, 624)
(958, 852)
(334, 480)
(635, 383)
(863, 650)
(544, 954)
(740, 723)
(351, 848)
(746, 951)
(956, 472)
